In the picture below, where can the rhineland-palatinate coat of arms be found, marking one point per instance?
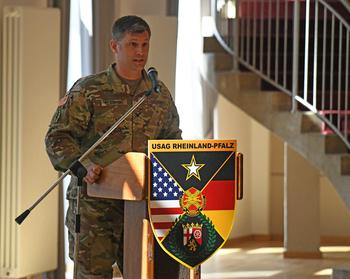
(192, 196)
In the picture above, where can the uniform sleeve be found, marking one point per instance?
(68, 126)
(170, 129)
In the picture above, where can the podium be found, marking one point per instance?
(193, 188)
(127, 179)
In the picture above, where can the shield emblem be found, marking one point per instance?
(191, 196)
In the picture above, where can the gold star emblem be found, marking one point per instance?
(193, 168)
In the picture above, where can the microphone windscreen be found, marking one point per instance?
(153, 76)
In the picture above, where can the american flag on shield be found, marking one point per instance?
(164, 199)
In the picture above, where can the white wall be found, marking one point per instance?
(260, 171)
(37, 95)
(36, 3)
(276, 186)
(252, 213)
(3, 3)
(335, 217)
(162, 54)
(145, 8)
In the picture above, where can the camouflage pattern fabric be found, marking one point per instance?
(101, 237)
(91, 106)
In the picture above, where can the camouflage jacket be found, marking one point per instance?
(93, 105)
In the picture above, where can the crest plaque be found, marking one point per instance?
(192, 196)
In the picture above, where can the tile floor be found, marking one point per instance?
(264, 259)
(256, 259)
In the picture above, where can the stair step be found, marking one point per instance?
(310, 123)
(319, 84)
(245, 88)
(211, 45)
(334, 145)
(237, 81)
(280, 56)
(280, 101)
(345, 165)
(274, 99)
(223, 62)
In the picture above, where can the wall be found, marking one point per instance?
(145, 8)
(260, 172)
(162, 54)
(334, 216)
(32, 236)
(3, 3)
(276, 187)
(239, 129)
(252, 213)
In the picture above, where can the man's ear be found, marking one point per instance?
(113, 45)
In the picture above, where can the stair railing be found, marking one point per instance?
(300, 47)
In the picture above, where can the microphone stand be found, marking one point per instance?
(80, 172)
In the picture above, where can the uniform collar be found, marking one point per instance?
(116, 82)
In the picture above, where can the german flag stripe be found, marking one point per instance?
(220, 195)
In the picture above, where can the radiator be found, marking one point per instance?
(29, 95)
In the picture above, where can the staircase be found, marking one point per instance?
(266, 93)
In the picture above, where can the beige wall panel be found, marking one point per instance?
(276, 205)
(34, 3)
(137, 7)
(162, 54)
(3, 3)
(36, 80)
(260, 180)
(335, 217)
(276, 187)
(276, 154)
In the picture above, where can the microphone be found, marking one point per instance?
(153, 76)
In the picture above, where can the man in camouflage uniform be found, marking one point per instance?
(91, 106)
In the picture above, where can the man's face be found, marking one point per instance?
(131, 54)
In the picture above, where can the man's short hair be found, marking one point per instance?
(129, 24)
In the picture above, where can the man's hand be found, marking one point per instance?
(93, 173)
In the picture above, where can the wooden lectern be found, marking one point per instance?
(127, 179)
